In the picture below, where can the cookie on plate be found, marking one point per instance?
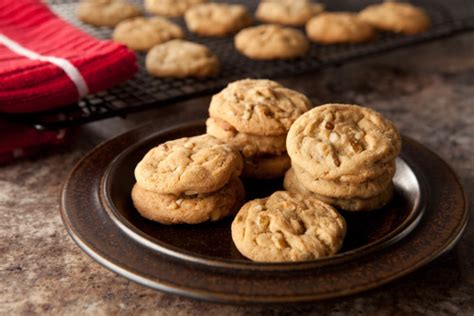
(287, 227)
(255, 116)
(292, 183)
(217, 19)
(334, 140)
(170, 7)
(189, 165)
(185, 209)
(106, 12)
(287, 12)
(143, 33)
(339, 27)
(399, 17)
(180, 59)
(270, 41)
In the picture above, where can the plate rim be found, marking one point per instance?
(162, 285)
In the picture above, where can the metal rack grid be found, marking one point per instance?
(144, 91)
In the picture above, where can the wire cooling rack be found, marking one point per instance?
(144, 91)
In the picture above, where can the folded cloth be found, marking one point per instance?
(46, 63)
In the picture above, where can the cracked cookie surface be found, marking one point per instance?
(217, 19)
(271, 41)
(287, 227)
(259, 107)
(333, 140)
(339, 27)
(170, 7)
(173, 209)
(180, 59)
(106, 12)
(144, 33)
(288, 12)
(199, 164)
(396, 17)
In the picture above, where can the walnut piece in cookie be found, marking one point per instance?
(339, 27)
(180, 59)
(334, 140)
(143, 33)
(199, 164)
(287, 227)
(170, 7)
(270, 41)
(106, 12)
(399, 17)
(185, 209)
(217, 19)
(258, 107)
(287, 12)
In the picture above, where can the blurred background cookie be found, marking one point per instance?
(268, 41)
(170, 7)
(143, 33)
(180, 59)
(288, 12)
(106, 12)
(217, 19)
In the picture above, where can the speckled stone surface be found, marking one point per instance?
(427, 90)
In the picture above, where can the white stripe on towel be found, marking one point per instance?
(71, 71)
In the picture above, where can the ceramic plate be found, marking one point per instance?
(425, 218)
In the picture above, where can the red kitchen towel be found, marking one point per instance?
(46, 63)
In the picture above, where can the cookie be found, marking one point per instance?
(339, 27)
(172, 209)
(287, 227)
(143, 33)
(248, 144)
(170, 7)
(340, 189)
(288, 12)
(259, 107)
(269, 41)
(199, 164)
(396, 17)
(266, 167)
(334, 140)
(217, 19)
(180, 59)
(106, 12)
(291, 183)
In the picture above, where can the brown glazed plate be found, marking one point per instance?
(426, 217)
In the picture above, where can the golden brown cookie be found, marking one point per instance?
(334, 140)
(287, 227)
(396, 17)
(259, 107)
(106, 12)
(266, 167)
(180, 59)
(288, 12)
(172, 209)
(170, 7)
(344, 189)
(270, 41)
(339, 27)
(248, 144)
(144, 33)
(291, 183)
(217, 19)
(189, 165)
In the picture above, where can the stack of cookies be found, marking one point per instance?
(255, 116)
(344, 155)
(189, 180)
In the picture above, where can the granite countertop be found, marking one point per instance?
(428, 90)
